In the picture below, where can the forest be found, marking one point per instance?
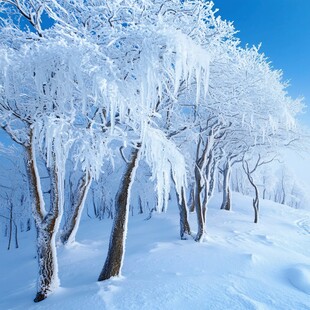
(117, 107)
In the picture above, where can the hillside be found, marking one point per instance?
(240, 266)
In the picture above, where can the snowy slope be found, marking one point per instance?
(240, 266)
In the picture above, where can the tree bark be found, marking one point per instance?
(184, 225)
(69, 233)
(226, 203)
(192, 199)
(256, 199)
(255, 202)
(46, 249)
(198, 204)
(113, 264)
(46, 225)
(10, 226)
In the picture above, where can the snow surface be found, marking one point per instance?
(242, 265)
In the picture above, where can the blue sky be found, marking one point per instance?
(283, 28)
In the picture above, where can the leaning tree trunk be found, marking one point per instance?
(184, 225)
(69, 233)
(226, 203)
(113, 264)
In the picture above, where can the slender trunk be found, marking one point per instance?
(10, 226)
(28, 225)
(95, 209)
(140, 205)
(256, 199)
(226, 203)
(192, 199)
(16, 236)
(205, 200)
(255, 203)
(283, 201)
(255, 213)
(69, 233)
(198, 204)
(113, 264)
(208, 183)
(212, 178)
(184, 225)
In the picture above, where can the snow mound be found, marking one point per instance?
(299, 277)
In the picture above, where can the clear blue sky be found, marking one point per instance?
(283, 28)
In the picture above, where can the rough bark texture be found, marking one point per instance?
(113, 263)
(45, 225)
(46, 258)
(46, 231)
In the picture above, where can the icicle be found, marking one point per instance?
(164, 160)
(198, 81)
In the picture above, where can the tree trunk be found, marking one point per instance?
(226, 203)
(255, 203)
(192, 199)
(47, 227)
(255, 213)
(69, 233)
(256, 199)
(184, 225)
(212, 177)
(46, 249)
(113, 264)
(16, 236)
(198, 205)
(10, 226)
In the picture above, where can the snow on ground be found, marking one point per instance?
(240, 266)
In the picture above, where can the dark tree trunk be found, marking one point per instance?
(192, 199)
(184, 225)
(10, 226)
(28, 225)
(256, 199)
(198, 204)
(255, 202)
(16, 236)
(140, 206)
(113, 264)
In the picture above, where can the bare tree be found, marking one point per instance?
(249, 171)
